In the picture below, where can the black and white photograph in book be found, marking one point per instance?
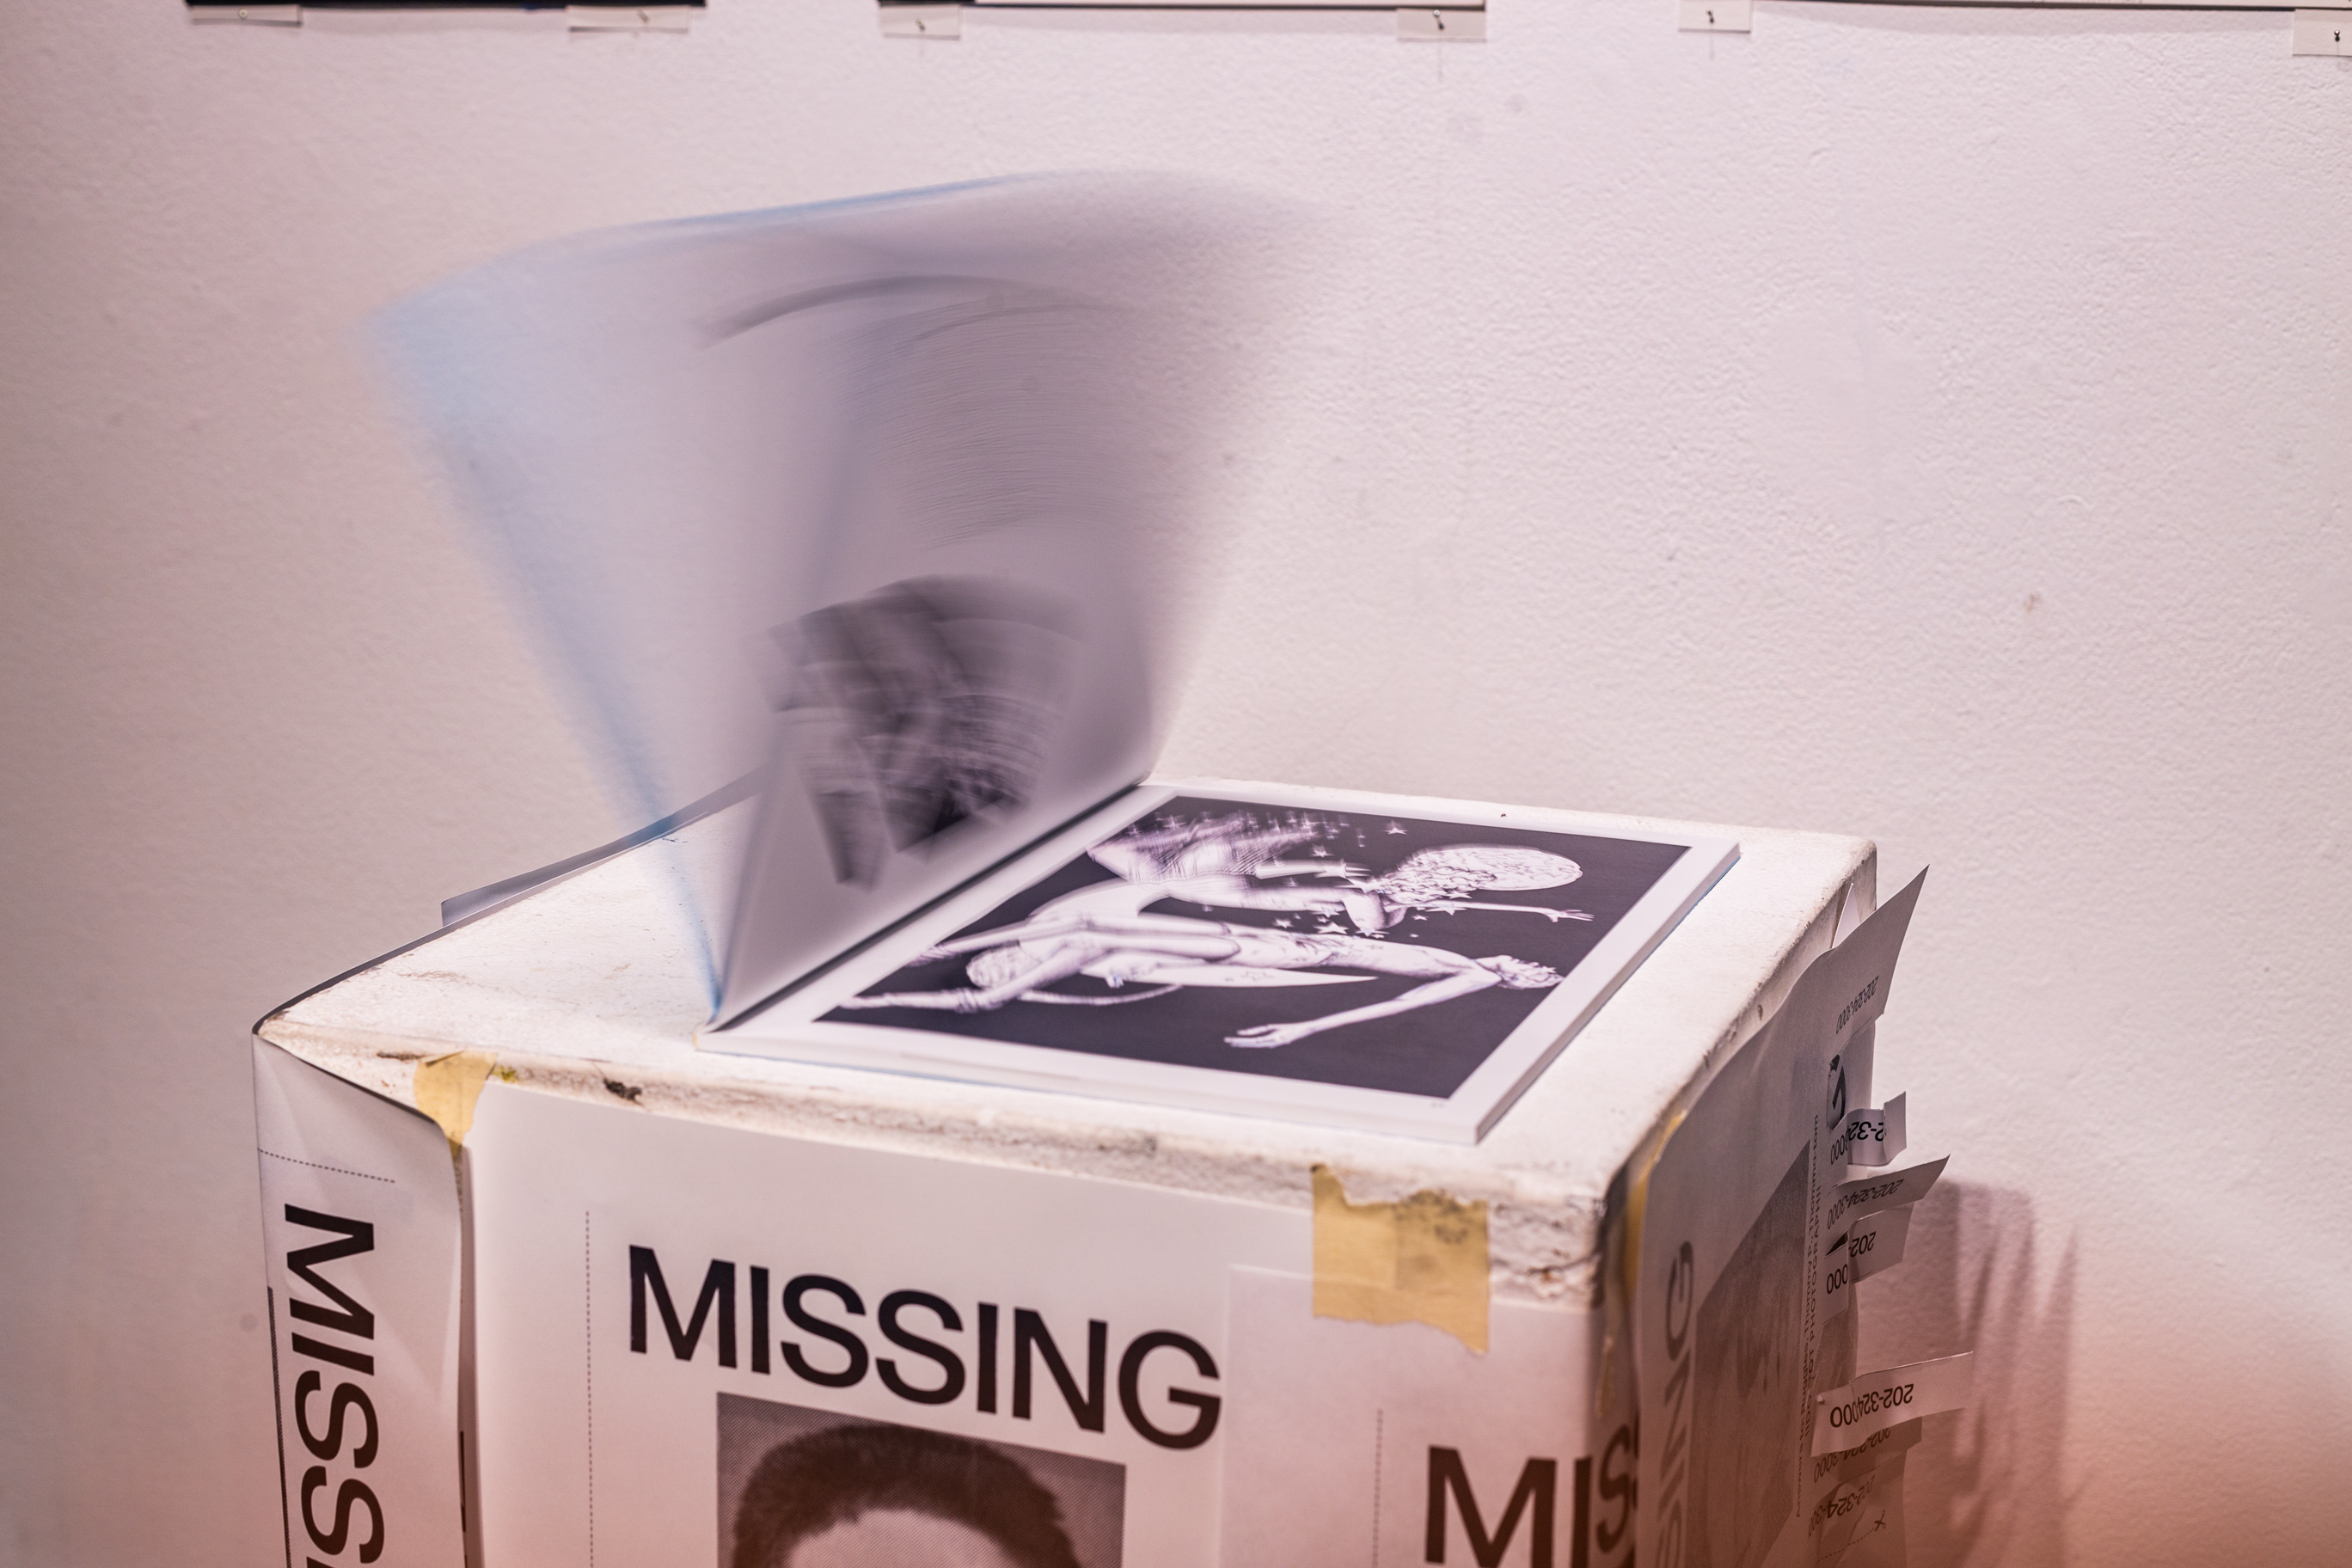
(1340, 948)
(810, 1488)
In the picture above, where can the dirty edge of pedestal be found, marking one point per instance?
(591, 988)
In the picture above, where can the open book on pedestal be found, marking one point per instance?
(862, 514)
(1370, 961)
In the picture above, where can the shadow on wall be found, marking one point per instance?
(1987, 1485)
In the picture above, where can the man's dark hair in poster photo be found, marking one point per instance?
(885, 1496)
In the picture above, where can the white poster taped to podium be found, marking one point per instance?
(699, 1345)
(1730, 1330)
(1391, 1445)
(359, 1210)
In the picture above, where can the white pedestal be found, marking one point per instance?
(671, 1266)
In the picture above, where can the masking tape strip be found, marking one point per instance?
(447, 1087)
(1423, 1260)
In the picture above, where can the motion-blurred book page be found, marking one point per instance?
(840, 506)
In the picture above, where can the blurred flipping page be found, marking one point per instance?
(842, 506)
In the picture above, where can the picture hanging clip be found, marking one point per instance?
(267, 15)
(1442, 25)
(2323, 32)
(1715, 15)
(905, 21)
(629, 18)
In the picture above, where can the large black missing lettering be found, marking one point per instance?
(1028, 1332)
(1534, 1496)
(717, 1287)
(359, 1237)
(347, 1316)
(923, 1357)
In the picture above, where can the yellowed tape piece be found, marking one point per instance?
(447, 1087)
(1420, 1261)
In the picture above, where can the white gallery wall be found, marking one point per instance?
(1931, 424)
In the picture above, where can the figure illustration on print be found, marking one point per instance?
(1233, 861)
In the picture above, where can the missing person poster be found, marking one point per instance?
(699, 1345)
(656, 1342)
(1385, 1446)
(1732, 1339)
(359, 1231)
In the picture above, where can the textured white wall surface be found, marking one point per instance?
(1930, 424)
